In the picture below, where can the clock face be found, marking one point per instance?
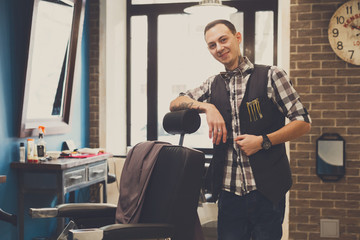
(344, 32)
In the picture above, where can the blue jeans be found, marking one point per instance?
(251, 216)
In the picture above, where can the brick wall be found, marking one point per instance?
(330, 89)
(93, 38)
(93, 41)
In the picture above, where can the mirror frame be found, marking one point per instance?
(61, 124)
(332, 173)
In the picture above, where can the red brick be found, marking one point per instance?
(353, 196)
(322, 73)
(347, 204)
(299, 203)
(323, 122)
(308, 228)
(333, 64)
(309, 195)
(334, 114)
(319, 40)
(327, 212)
(309, 65)
(348, 72)
(310, 48)
(299, 40)
(309, 16)
(321, 204)
(353, 213)
(347, 122)
(300, 8)
(322, 187)
(300, 25)
(308, 212)
(333, 196)
(334, 81)
(297, 236)
(323, 56)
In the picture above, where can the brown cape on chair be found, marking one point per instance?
(134, 179)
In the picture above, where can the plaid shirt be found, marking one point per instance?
(239, 177)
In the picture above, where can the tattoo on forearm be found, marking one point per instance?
(183, 106)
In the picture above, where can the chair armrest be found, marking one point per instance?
(43, 212)
(137, 231)
(88, 210)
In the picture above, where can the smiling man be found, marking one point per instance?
(245, 108)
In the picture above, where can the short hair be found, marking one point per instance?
(227, 23)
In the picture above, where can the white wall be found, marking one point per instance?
(284, 62)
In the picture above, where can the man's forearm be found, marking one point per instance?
(184, 102)
(250, 144)
(216, 123)
(289, 132)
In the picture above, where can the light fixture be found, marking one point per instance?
(210, 7)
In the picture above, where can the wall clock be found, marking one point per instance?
(344, 32)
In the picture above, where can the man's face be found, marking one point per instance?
(223, 45)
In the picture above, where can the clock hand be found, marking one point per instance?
(355, 27)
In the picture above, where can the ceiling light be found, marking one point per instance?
(210, 7)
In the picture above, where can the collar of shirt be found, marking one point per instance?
(245, 67)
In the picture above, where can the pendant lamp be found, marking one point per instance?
(210, 7)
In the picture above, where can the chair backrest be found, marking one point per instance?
(172, 195)
(161, 183)
(173, 192)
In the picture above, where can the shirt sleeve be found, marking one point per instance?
(201, 93)
(283, 94)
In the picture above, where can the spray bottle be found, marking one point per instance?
(41, 145)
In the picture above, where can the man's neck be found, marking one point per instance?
(239, 61)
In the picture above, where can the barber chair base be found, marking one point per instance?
(208, 212)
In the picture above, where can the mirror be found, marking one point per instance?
(330, 157)
(55, 34)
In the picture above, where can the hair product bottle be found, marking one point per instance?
(31, 151)
(22, 152)
(41, 145)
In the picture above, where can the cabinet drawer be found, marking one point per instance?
(97, 171)
(75, 177)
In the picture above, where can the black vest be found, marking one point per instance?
(258, 115)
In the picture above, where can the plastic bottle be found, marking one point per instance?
(41, 145)
(35, 158)
(22, 152)
(31, 150)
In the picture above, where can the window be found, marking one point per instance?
(264, 37)
(138, 72)
(168, 55)
(184, 62)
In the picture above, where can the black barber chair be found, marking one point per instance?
(171, 197)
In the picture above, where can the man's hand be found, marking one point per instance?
(249, 144)
(216, 123)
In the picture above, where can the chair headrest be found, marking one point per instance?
(181, 122)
